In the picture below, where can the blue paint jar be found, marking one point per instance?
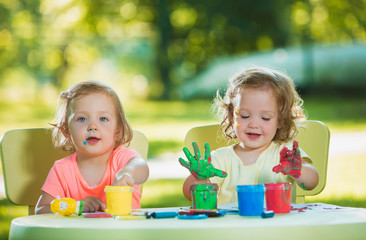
(250, 199)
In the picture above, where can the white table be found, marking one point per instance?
(319, 222)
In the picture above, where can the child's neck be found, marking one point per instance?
(93, 168)
(248, 156)
(92, 160)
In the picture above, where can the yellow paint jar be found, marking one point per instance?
(119, 199)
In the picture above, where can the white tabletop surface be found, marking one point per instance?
(310, 221)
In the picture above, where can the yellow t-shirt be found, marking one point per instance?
(239, 174)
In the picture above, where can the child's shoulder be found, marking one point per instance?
(124, 152)
(123, 149)
(66, 160)
(224, 150)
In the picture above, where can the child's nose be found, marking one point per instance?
(92, 127)
(253, 123)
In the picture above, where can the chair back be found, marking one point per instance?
(313, 138)
(27, 156)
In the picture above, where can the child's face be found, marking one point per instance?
(93, 125)
(255, 118)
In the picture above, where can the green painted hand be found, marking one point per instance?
(200, 168)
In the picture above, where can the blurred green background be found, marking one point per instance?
(167, 58)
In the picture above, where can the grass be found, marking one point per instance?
(341, 114)
(163, 193)
(165, 125)
(8, 211)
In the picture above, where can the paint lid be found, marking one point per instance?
(204, 187)
(251, 188)
(278, 186)
(118, 189)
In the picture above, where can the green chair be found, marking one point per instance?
(27, 156)
(313, 139)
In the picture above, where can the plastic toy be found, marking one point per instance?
(267, 214)
(171, 214)
(67, 206)
(290, 161)
(192, 217)
(208, 212)
(200, 168)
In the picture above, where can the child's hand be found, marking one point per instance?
(200, 168)
(290, 161)
(93, 204)
(123, 179)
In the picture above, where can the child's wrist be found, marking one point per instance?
(201, 181)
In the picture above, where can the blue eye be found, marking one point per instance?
(103, 119)
(81, 119)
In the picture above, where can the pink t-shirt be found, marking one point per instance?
(65, 179)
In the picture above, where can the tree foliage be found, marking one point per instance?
(153, 46)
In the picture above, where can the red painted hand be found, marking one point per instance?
(290, 161)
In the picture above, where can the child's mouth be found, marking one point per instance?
(253, 135)
(92, 140)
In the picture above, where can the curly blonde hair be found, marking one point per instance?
(65, 103)
(283, 88)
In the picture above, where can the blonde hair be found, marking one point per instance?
(283, 88)
(65, 103)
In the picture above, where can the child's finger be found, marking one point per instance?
(102, 205)
(207, 151)
(197, 154)
(188, 154)
(219, 173)
(184, 163)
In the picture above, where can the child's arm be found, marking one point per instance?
(136, 171)
(91, 204)
(188, 182)
(43, 204)
(309, 177)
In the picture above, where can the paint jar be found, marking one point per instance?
(250, 199)
(278, 197)
(119, 199)
(204, 196)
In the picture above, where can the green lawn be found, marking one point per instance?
(165, 124)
